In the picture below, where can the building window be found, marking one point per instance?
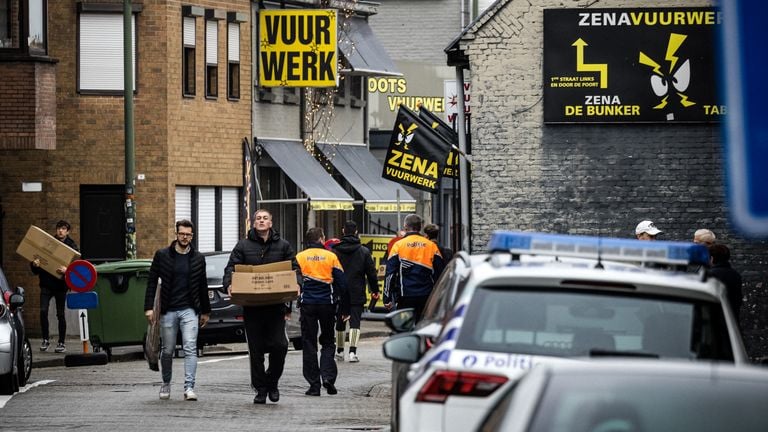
(211, 59)
(215, 211)
(20, 35)
(100, 66)
(233, 60)
(188, 58)
(357, 99)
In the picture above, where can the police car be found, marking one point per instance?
(544, 298)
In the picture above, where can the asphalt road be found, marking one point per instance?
(123, 396)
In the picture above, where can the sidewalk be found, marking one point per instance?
(50, 358)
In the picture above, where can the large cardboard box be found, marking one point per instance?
(38, 244)
(264, 284)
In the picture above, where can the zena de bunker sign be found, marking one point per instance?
(298, 48)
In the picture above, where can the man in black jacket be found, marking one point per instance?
(358, 266)
(720, 269)
(264, 325)
(184, 304)
(53, 286)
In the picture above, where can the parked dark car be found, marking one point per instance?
(15, 349)
(226, 323)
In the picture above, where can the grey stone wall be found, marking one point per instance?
(592, 179)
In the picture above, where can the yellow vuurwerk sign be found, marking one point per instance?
(298, 48)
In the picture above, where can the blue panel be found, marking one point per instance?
(744, 61)
(86, 300)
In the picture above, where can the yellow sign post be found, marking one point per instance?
(298, 48)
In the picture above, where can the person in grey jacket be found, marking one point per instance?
(264, 325)
(184, 304)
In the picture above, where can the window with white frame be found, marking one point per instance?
(100, 65)
(233, 60)
(188, 59)
(211, 58)
(215, 211)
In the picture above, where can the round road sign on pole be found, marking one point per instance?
(80, 276)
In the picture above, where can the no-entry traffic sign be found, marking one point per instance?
(80, 276)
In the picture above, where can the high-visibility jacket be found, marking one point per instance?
(413, 266)
(323, 277)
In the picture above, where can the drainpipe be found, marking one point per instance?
(130, 184)
(463, 180)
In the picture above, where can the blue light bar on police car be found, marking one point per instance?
(609, 249)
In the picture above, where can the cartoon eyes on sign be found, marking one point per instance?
(679, 77)
(405, 136)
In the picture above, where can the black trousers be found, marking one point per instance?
(417, 303)
(45, 300)
(355, 315)
(265, 333)
(322, 317)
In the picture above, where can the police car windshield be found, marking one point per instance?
(584, 323)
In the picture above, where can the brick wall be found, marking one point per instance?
(177, 140)
(27, 105)
(592, 179)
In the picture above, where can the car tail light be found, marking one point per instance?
(452, 383)
(239, 317)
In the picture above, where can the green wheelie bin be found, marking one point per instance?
(119, 319)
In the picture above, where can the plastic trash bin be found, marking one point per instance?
(119, 319)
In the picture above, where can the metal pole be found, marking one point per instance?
(463, 181)
(399, 225)
(130, 184)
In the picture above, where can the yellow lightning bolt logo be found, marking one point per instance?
(675, 40)
(684, 100)
(406, 136)
(644, 59)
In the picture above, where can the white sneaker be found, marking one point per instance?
(189, 395)
(165, 391)
(339, 356)
(353, 358)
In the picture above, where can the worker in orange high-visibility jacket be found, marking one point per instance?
(324, 288)
(413, 266)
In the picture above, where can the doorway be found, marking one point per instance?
(102, 223)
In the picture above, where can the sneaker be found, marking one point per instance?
(189, 395)
(165, 391)
(274, 395)
(353, 358)
(339, 356)
(45, 345)
(313, 391)
(260, 398)
(60, 348)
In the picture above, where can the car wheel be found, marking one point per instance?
(297, 345)
(25, 363)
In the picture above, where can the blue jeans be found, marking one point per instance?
(188, 321)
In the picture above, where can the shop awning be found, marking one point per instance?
(323, 191)
(362, 49)
(363, 172)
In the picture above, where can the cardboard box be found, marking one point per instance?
(264, 284)
(52, 253)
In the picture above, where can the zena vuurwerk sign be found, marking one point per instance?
(630, 65)
(298, 48)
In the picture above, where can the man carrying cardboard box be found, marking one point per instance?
(264, 324)
(324, 288)
(53, 286)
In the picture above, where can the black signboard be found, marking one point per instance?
(630, 65)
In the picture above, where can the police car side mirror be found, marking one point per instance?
(403, 348)
(16, 301)
(401, 320)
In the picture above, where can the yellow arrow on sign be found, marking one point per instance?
(586, 67)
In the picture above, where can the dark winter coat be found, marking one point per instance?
(358, 266)
(732, 281)
(253, 250)
(48, 280)
(162, 269)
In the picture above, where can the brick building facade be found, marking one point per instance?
(181, 140)
(592, 179)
